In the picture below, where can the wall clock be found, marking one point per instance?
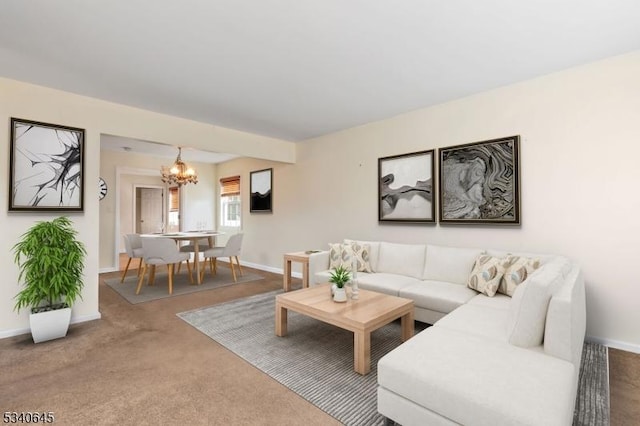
(102, 188)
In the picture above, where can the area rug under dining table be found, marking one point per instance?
(181, 284)
(316, 359)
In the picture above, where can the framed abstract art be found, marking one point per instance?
(405, 188)
(46, 167)
(480, 182)
(261, 182)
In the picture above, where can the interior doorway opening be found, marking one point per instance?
(149, 210)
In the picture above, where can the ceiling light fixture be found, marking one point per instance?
(179, 173)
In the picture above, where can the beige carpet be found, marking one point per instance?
(181, 284)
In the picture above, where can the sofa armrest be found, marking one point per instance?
(566, 320)
(317, 262)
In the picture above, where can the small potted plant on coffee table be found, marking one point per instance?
(340, 276)
(51, 260)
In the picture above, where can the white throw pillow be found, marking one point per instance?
(528, 310)
(486, 275)
(450, 264)
(401, 259)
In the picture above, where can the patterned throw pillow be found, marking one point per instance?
(516, 270)
(486, 274)
(346, 254)
(361, 256)
(340, 255)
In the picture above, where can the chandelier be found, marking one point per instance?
(179, 173)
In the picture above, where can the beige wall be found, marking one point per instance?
(97, 117)
(579, 154)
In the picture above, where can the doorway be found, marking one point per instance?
(149, 210)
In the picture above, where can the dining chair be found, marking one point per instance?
(203, 244)
(133, 247)
(231, 250)
(161, 251)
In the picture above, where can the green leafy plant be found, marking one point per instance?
(51, 260)
(340, 276)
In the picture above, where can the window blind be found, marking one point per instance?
(230, 186)
(174, 199)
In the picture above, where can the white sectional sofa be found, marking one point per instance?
(501, 360)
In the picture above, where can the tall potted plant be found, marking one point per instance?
(51, 261)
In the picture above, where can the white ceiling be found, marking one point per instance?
(295, 69)
(117, 143)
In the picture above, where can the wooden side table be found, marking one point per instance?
(301, 257)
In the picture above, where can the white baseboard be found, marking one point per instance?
(267, 268)
(616, 344)
(74, 320)
(109, 269)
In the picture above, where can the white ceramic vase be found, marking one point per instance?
(340, 295)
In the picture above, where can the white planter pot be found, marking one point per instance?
(50, 325)
(340, 295)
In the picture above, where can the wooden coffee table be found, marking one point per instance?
(371, 311)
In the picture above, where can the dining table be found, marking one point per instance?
(194, 237)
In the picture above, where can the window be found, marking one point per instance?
(230, 201)
(174, 209)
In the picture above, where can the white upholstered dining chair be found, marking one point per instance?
(161, 251)
(231, 250)
(133, 247)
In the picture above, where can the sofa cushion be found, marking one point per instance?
(486, 275)
(385, 283)
(516, 270)
(499, 301)
(374, 251)
(437, 296)
(450, 264)
(477, 320)
(401, 259)
(473, 380)
(528, 310)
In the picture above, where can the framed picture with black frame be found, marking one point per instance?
(46, 167)
(480, 182)
(261, 188)
(405, 188)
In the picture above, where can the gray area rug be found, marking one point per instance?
(181, 284)
(592, 401)
(315, 360)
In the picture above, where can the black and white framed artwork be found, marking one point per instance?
(405, 188)
(261, 183)
(479, 182)
(46, 167)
